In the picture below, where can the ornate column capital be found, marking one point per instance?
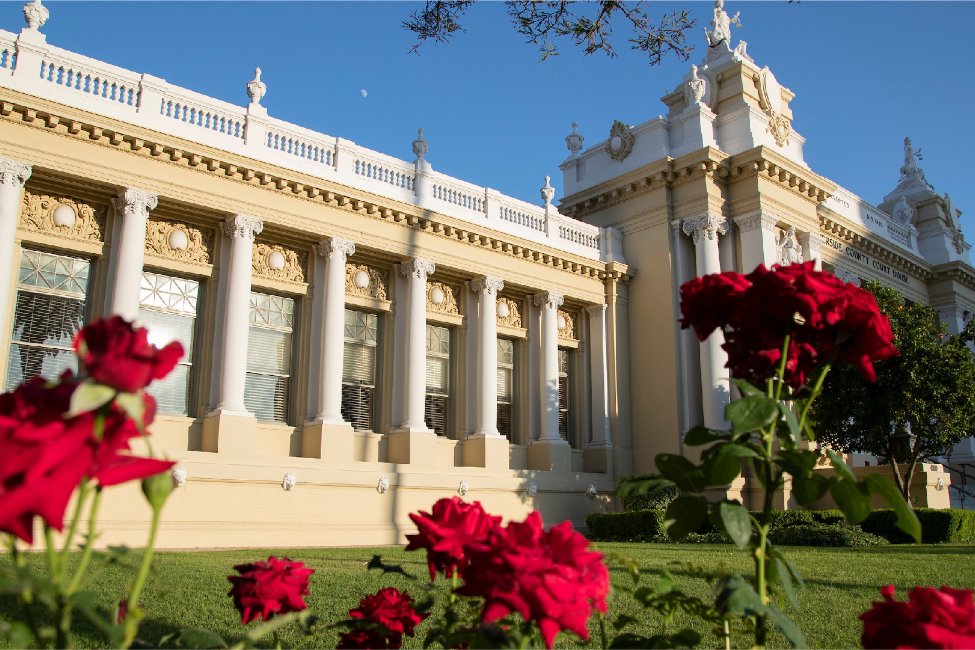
(243, 227)
(708, 226)
(549, 299)
(14, 172)
(761, 220)
(135, 201)
(417, 268)
(487, 284)
(596, 311)
(333, 248)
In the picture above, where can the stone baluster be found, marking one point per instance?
(13, 175)
(128, 250)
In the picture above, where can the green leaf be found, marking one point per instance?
(133, 405)
(623, 620)
(703, 436)
(784, 578)
(850, 499)
(642, 485)
(735, 521)
(842, 470)
(808, 488)
(89, 396)
(736, 597)
(19, 635)
(748, 389)
(666, 582)
(797, 461)
(789, 629)
(192, 639)
(629, 563)
(684, 515)
(721, 469)
(906, 519)
(751, 413)
(791, 422)
(687, 476)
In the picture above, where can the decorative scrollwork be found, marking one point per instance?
(366, 281)
(620, 142)
(179, 241)
(566, 324)
(74, 220)
(279, 262)
(509, 312)
(442, 298)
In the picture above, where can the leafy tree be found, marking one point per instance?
(921, 403)
(587, 24)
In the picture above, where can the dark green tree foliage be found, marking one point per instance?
(922, 403)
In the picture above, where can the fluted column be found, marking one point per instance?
(548, 386)
(241, 231)
(487, 354)
(335, 252)
(599, 365)
(416, 272)
(13, 175)
(128, 250)
(715, 384)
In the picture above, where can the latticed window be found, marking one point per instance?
(51, 294)
(167, 308)
(268, 388)
(437, 406)
(506, 378)
(565, 395)
(359, 368)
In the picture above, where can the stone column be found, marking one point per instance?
(128, 250)
(598, 449)
(486, 447)
(13, 175)
(757, 235)
(550, 451)
(230, 427)
(715, 383)
(812, 247)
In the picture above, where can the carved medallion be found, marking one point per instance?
(771, 95)
(781, 128)
(567, 324)
(509, 312)
(620, 142)
(179, 241)
(442, 298)
(279, 262)
(64, 217)
(366, 281)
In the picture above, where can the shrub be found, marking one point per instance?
(658, 500)
(824, 535)
(788, 518)
(639, 526)
(937, 526)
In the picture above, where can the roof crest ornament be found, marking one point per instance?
(574, 140)
(420, 146)
(720, 31)
(911, 173)
(36, 15)
(256, 89)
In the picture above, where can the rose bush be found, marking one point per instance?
(115, 354)
(266, 589)
(448, 531)
(381, 620)
(930, 618)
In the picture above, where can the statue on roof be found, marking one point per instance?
(909, 170)
(721, 26)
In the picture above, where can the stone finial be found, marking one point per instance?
(420, 146)
(574, 140)
(35, 14)
(548, 192)
(694, 88)
(256, 89)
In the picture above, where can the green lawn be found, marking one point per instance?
(189, 589)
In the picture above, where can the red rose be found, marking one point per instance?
(706, 302)
(550, 578)
(447, 531)
(117, 355)
(265, 589)
(45, 456)
(385, 617)
(931, 618)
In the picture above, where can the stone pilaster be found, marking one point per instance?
(13, 175)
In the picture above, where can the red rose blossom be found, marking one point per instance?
(382, 620)
(447, 531)
(930, 618)
(118, 355)
(266, 589)
(45, 456)
(550, 577)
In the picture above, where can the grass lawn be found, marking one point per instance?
(188, 589)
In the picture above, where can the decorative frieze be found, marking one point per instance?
(442, 298)
(566, 323)
(63, 217)
(366, 282)
(509, 312)
(179, 241)
(279, 262)
(789, 251)
(761, 220)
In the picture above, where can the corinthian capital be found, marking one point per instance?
(14, 173)
(243, 227)
(549, 299)
(417, 268)
(132, 201)
(335, 249)
(487, 284)
(707, 226)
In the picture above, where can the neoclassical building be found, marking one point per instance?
(366, 334)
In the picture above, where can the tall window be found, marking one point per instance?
(268, 388)
(51, 294)
(437, 406)
(506, 378)
(359, 368)
(565, 395)
(167, 308)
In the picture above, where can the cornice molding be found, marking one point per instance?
(839, 231)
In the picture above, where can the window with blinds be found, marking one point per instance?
(267, 390)
(359, 368)
(565, 395)
(168, 308)
(51, 296)
(506, 393)
(437, 403)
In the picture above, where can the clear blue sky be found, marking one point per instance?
(865, 75)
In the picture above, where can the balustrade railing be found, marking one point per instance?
(313, 148)
(90, 80)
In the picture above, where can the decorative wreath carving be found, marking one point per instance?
(179, 241)
(442, 298)
(569, 330)
(513, 317)
(375, 280)
(620, 142)
(80, 221)
(268, 258)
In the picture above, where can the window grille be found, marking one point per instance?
(506, 378)
(565, 395)
(50, 309)
(437, 403)
(168, 308)
(359, 368)
(268, 385)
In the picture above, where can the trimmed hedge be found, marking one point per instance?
(658, 500)
(639, 526)
(937, 526)
(825, 535)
